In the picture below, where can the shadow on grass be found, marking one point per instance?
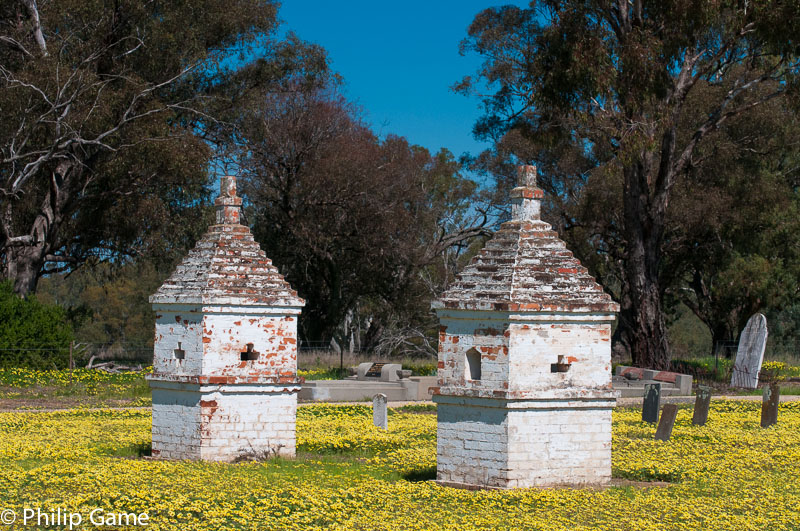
(425, 474)
(133, 451)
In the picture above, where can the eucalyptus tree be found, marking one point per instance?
(608, 83)
(108, 114)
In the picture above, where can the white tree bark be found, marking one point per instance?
(33, 12)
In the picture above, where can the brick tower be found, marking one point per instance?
(225, 359)
(525, 394)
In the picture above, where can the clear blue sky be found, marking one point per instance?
(399, 60)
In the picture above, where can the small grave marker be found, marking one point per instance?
(380, 415)
(668, 415)
(701, 405)
(769, 407)
(652, 401)
(750, 353)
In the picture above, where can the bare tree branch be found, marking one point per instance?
(33, 12)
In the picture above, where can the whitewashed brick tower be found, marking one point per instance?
(525, 394)
(225, 362)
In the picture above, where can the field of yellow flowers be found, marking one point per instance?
(729, 475)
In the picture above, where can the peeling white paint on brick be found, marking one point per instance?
(530, 309)
(222, 422)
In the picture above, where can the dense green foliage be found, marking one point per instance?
(109, 303)
(108, 115)
(32, 334)
(627, 106)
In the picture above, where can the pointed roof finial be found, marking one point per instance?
(526, 176)
(229, 206)
(526, 204)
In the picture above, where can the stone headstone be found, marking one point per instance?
(380, 415)
(652, 401)
(664, 430)
(769, 407)
(701, 405)
(750, 353)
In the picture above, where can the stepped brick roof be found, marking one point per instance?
(526, 267)
(227, 266)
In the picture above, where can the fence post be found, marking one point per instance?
(71, 360)
(716, 361)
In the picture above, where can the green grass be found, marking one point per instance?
(786, 390)
(65, 388)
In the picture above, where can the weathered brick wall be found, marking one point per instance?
(274, 337)
(536, 345)
(222, 423)
(471, 445)
(484, 442)
(206, 406)
(489, 337)
(246, 422)
(516, 356)
(180, 324)
(567, 444)
(176, 422)
(213, 343)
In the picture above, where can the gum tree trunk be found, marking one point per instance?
(644, 227)
(22, 268)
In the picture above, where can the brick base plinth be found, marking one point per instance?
(222, 422)
(485, 442)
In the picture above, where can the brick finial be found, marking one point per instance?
(526, 197)
(526, 176)
(229, 206)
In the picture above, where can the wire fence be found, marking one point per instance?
(79, 354)
(74, 355)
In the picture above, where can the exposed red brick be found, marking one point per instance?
(526, 267)
(227, 266)
(665, 376)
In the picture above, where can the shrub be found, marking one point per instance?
(32, 334)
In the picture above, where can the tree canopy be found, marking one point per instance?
(603, 97)
(107, 111)
(33, 334)
(352, 220)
